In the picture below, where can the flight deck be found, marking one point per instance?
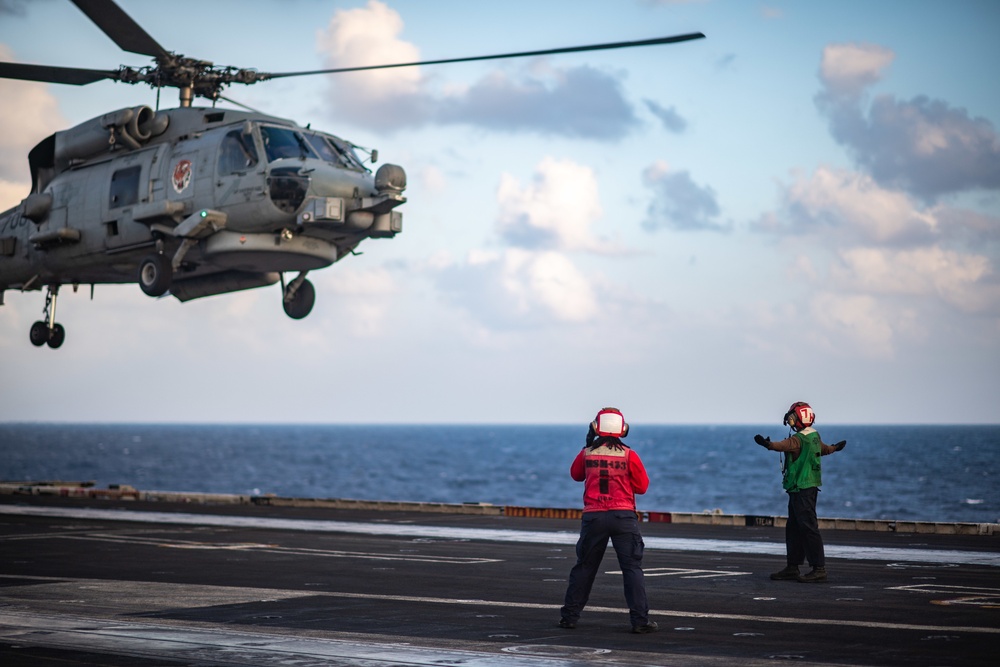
(110, 582)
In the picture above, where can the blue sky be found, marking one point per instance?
(803, 206)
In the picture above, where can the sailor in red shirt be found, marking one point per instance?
(612, 474)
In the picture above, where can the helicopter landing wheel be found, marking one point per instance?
(301, 301)
(56, 335)
(39, 334)
(155, 275)
(48, 330)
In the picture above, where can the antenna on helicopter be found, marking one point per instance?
(241, 105)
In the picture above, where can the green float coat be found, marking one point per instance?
(804, 471)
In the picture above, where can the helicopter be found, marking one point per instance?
(196, 201)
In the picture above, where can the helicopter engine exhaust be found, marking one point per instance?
(132, 127)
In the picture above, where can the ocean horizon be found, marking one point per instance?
(924, 472)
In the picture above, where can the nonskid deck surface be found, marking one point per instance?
(99, 583)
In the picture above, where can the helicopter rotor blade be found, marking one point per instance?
(545, 52)
(120, 27)
(70, 75)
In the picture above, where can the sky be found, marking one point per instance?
(805, 205)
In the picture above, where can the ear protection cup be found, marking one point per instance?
(624, 431)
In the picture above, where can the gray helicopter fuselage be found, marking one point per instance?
(193, 201)
(220, 191)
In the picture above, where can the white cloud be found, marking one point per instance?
(839, 201)
(361, 298)
(532, 283)
(433, 179)
(679, 203)
(370, 36)
(578, 102)
(923, 146)
(28, 114)
(669, 118)
(520, 289)
(857, 320)
(348, 281)
(552, 212)
(838, 208)
(574, 102)
(561, 288)
(12, 192)
(881, 259)
(803, 268)
(848, 69)
(961, 279)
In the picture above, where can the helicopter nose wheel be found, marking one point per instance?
(49, 331)
(155, 274)
(299, 297)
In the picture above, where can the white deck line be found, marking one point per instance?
(991, 559)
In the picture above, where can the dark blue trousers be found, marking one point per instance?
(802, 538)
(622, 528)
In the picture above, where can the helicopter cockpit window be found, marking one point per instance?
(325, 150)
(124, 187)
(280, 142)
(237, 153)
(347, 151)
(328, 150)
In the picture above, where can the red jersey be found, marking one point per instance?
(612, 475)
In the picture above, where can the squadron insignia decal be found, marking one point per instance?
(182, 176)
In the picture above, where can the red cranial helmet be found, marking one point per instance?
(610, 422)
(799, 416)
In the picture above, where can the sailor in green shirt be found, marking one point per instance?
(801, 480)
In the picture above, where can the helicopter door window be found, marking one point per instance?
(237, 153)
(125, 187)
(281, 143)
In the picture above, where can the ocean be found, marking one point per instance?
(924, 473)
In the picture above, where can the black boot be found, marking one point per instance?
(790, 573)
(816, 575)
(650, 626)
